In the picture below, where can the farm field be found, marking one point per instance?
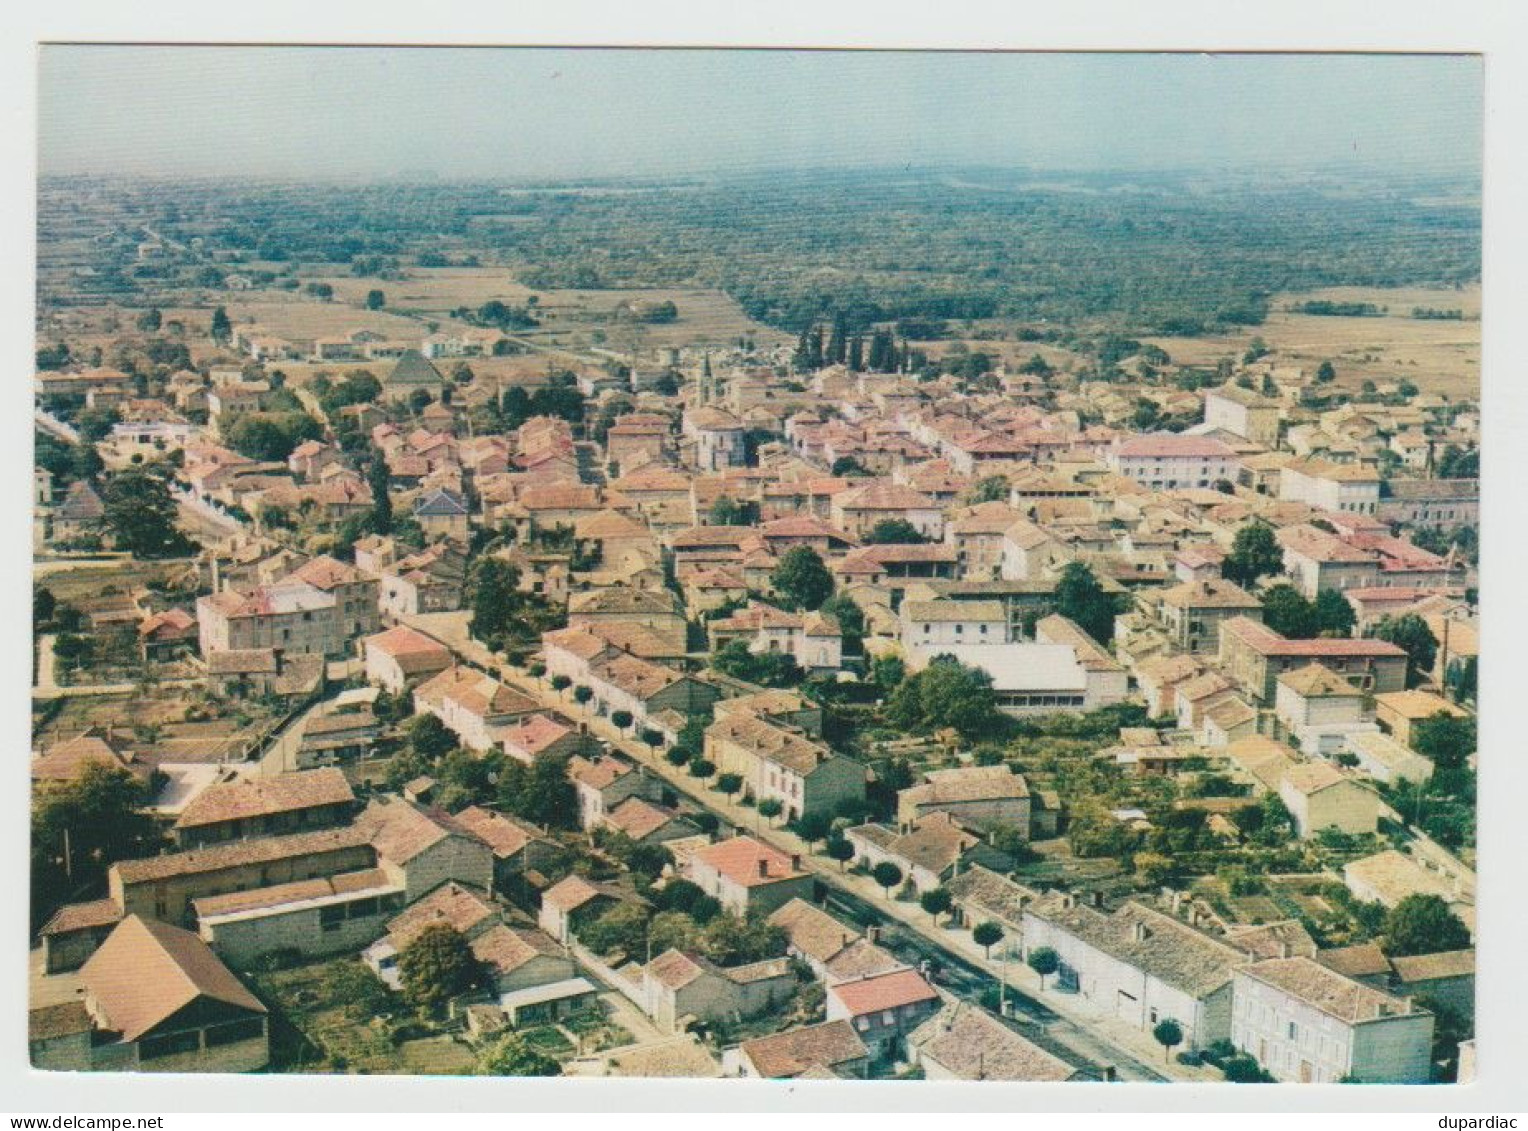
(705, 316)
(1438, 356)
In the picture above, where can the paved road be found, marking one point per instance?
(915, 942)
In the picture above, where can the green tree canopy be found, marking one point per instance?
(511, 1054)
(623, 928)
(1423, 924)
(802, 579)
(730, 941)
(1334, 613)
(271, 436)
(1445, 739)
(1255, 553)
(936, 901)
(1287, 612)
(990, 489)
(887, 874)
(894, 530)
(947, 693)
(1044, 961)
(1169, 1034)
(1082, 600)
(541, 792)
(436, 966)
(141, 513)
(987, 935)
(80, 828)
(429, 737)
(1411, 634)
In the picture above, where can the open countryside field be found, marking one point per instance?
(1438, 356)
(705, 316)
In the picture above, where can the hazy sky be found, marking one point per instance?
(365, 112)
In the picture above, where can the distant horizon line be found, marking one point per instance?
(1273, 170)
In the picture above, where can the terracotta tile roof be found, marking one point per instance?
(50, 1022)
(82, 916)
(634, 675)
(146, 972)
(413, 651)
(258, 797)
(451, 903)
(622, 599)
(973, 1044)
(506, 949)
(65, 761)
(883, 991)
(884, 497)
(400, 830)
(861, 959)
(782, 1056)
(505, 835)
(598, 773)
(1157, 944)
(1267, 642)
(994, 893)
(1317, 681)
(1318, 986)
(475, 692)
(1426, 967)
(532, 734)
(771, 743)
(320, 887)
(967, 783)
(1358, 961)
(238, 854)
(1268, 940)
(326, 573)
(1157, 445)
(674, 969)
(748, 862)
(812, 932)
(638, 818)
(1210, 593)
(574, 891)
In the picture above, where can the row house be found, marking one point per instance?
(1253, 656)
(782, 763)
(473, 705)
(1138, 965)
(813, 639)
(1304, 1022)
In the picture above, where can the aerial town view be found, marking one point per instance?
(798, 595)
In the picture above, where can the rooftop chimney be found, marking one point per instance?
(763, 867)
(795, 862)
(1285, 950)
(1138, 931)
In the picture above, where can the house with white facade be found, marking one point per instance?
(1307, 1023)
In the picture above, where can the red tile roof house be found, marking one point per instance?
(746, 875)
(541, 736)
(518, 846)
(403, 656)
(1254, 656)
(648, 823)
(680, 990)
(573, 902)
(603, 782)
(287, 803)
(830, 1048)
(156, 999)
(473, 705)
(884, 1009)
